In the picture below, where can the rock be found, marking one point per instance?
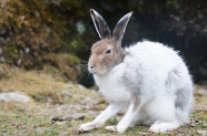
(66, 95)
(202, 132)
(56, 120)
(13, 97)
(63, 108)
(199, 108)
(60, 123)
(21, 109)
(69, 109)
(77, 116)
(201, 91)
(64, 134)
(80, 117)
(88, 101)
(81, 87)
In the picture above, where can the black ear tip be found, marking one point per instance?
(92, 11)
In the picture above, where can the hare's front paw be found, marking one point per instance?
(87, 127)
(111, 128)
(118, 128)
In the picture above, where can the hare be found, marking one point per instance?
(148, 78)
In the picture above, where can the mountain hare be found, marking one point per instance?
(148, 78)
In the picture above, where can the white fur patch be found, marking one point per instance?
(158, 75)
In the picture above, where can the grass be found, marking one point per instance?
(33, 83)
(34, 118)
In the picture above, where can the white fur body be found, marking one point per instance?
(111, 86)
(149, 78)
(158, 73)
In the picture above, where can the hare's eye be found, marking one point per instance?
(108, 51)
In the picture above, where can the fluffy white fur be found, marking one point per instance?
(154, 82)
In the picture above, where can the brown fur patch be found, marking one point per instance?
(102, 61)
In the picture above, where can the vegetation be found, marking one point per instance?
(34, 34)
(58, 107)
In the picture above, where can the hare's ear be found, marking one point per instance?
(120, 28)
(100, 24)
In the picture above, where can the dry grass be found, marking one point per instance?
(32, 83)
(34, 119)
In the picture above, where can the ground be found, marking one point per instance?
(58, 107)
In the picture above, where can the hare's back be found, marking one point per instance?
(153, 55)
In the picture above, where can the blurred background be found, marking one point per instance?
(55, 35)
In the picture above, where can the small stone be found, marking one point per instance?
(200, 90)
(66, 95)
(88, 101)
(75, 117)
(13, 97)
(64, 134)
(21, 109)
(199, 108)
(56, 119)
(191, 124)
(81, 117)
(81, 87)
(202, 132)
(60, 123)
(63, 108)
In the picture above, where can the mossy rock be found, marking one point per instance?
(30, 30)
(67, 64)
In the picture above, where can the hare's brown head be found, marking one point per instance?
(107, 53)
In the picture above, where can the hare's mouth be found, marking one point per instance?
(96, 72)
(92, 70)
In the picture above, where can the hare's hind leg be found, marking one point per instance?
(162, 113)
(162, 127)
(178, 82)
(110, 111)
